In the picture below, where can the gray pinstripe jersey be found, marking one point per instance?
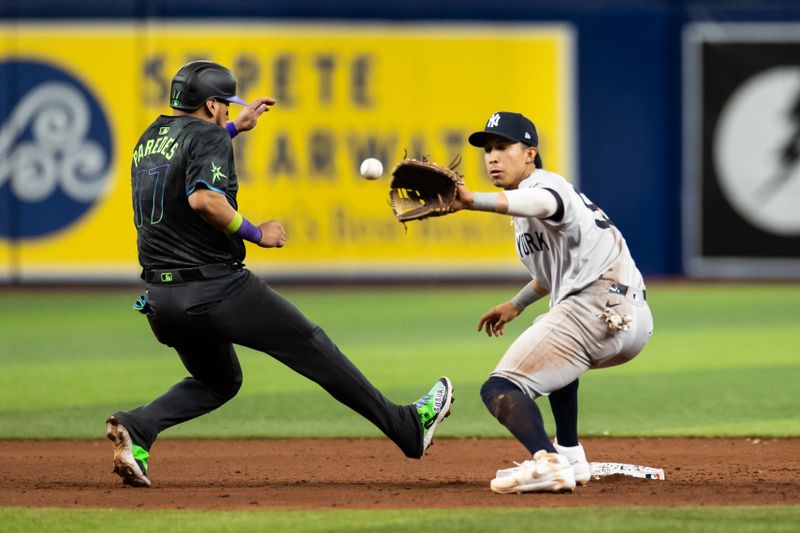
(576, 246)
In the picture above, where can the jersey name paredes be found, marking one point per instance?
(576, 246)
(163, 145)
(173, 158)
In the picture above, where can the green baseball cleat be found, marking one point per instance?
(433, 408)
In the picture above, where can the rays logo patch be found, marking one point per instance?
(216, 173)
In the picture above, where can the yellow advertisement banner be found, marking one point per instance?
(78, 97)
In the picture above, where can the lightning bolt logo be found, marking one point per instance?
(789, 155)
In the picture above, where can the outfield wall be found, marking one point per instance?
(617, 91)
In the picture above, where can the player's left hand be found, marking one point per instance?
(497, 317)
(273, 235)
(247, 119)
(463, 198)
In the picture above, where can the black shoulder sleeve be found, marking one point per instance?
(210, 160)
(559, 214)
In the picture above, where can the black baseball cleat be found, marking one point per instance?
(433, 408)
(130, 459)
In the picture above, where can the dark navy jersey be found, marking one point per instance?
(174, 157)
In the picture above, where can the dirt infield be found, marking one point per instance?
(371, 473)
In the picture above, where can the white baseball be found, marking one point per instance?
(371, 168)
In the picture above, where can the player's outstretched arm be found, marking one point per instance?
(248, 117)
(530, 202)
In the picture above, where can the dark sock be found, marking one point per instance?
(518, 412)
(564, 404)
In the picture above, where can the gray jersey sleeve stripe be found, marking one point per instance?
(559, 214)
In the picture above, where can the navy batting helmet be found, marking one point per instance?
(197, 81)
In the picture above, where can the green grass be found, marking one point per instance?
(643, 519)
(723, 361)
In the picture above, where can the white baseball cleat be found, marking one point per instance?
(577, 460)
(546, 472)
(131, 469)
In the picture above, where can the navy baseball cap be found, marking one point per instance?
(512, 126)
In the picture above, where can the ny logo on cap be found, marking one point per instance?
(494, 120)
(527, 135)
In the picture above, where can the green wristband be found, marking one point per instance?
(234, 224)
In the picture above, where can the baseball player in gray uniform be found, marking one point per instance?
(598, 314)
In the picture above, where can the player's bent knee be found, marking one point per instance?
(227, 388)
(500, 395)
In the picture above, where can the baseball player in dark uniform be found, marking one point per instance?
(598, 313)
(200, 299)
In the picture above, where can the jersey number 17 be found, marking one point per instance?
(148, 194)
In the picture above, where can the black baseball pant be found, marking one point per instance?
(203, 319)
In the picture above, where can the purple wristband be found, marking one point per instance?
(232, 131)
(248, 231)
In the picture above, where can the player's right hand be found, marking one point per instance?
(273, 235)
(497, 317)
(248, 117)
